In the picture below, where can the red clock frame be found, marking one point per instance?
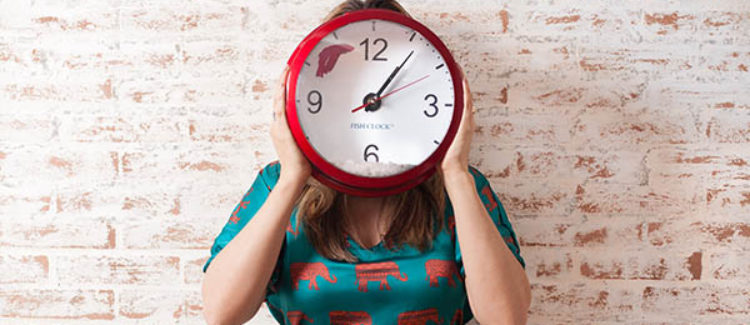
(328, 173)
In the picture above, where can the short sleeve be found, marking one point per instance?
(251, 202)
(496, 211)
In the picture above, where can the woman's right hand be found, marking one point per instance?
(294, 165)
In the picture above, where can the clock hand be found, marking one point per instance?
(393, 74)
(391, 93)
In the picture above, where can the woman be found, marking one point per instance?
(314, 254)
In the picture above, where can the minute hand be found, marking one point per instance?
(393, 75)
(392, 92)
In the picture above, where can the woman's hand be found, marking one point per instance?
(457, 157)
(294, 165)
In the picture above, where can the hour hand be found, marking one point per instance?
(393, 75)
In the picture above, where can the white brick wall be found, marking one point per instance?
(615, 133)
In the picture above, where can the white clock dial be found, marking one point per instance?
(388, 136)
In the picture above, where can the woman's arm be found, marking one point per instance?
(229, 295)
(496, 283)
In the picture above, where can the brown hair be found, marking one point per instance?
(351, 5)
(416, 214)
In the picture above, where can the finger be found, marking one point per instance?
(468, 100)
(280, 94)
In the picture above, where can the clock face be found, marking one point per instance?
(375, 98)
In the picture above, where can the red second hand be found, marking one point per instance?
(391, 92)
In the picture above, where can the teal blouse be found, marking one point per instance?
(383, 287)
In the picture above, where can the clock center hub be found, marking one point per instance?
(373, 104)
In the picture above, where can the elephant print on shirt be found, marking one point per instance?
(271, 164)
(458, 317)
(419, 317)
(340, 317)
(452, 226)
(297, 316)
(377, 272)
(491, 204)
(291, 230)
(234, 218)
(441, 268)
(309, 271)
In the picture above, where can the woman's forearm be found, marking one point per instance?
(229, 296)
(496, 283)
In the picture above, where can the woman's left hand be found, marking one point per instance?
(457, 157)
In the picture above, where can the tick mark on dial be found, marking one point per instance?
(436, 141)
(448, 105)
(335, 36)
(373, 25)
(440, 66)
(412, 36)
(307, 63)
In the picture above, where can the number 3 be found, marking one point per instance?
(433, 105)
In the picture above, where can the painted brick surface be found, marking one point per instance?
(615, 133)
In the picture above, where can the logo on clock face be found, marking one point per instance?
(329, 56)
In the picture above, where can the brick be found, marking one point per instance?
(28, 130)
(541, 130)
(57, 304)
(548, 263)
(194, 270)
(132, 270)
(216, 160)
(46, 92)
(33, 204)
(153, 305)
(729, 265)
(24, 269)
(633, 131)
(97, 234)
(642, 265)
(83, 201)
(122, 129)
(150, 205)
(515, 165)
(226, 130)
(705, 299)
(616, 199)
(59, 164)
(725, 234)
(168, 234)
(728, 126)
(564, 303)
(183, 20)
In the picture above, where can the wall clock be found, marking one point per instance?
(374, 99)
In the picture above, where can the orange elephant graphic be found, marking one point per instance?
(452, 226)
(234, 218)
(309, 271)
(491, 204)
(419, 317)
(377, 272)
(458, 317)
(292, 230)
(441, 268)
(340, 317)
(296, 317)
